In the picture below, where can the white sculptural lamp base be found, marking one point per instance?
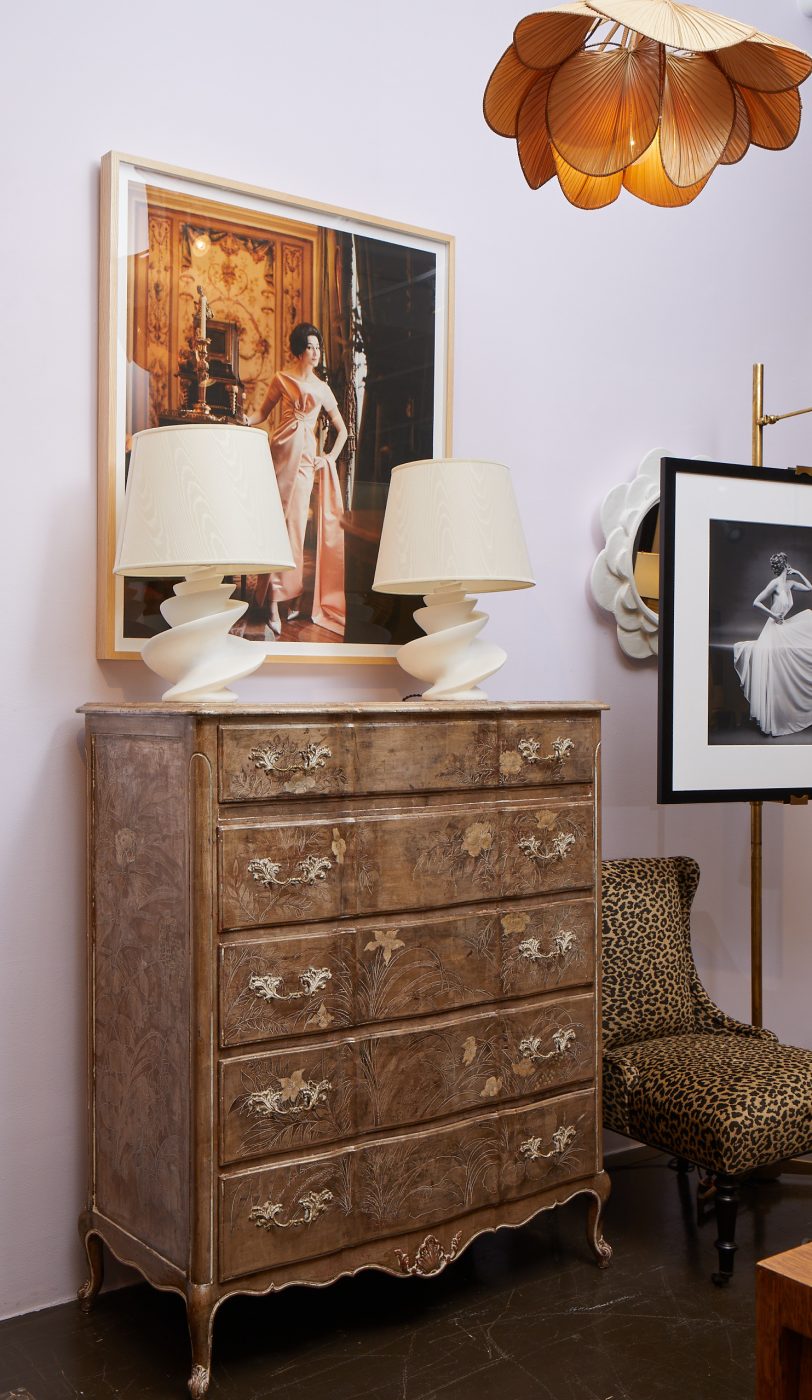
(197, 653)
(450, 656)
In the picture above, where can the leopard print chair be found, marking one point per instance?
(678, 1074)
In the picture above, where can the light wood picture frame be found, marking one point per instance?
(381, 294)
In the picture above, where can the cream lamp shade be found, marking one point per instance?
(451, 527)
(202, 501)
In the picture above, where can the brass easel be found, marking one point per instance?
(761, 420)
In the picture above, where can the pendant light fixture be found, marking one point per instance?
(644, 95)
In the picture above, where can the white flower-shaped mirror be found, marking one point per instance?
(625, 575)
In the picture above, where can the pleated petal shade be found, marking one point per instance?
(739, 142)
(507, 87)
(699, 108)
(647, 180)
(653, 90)
(451, 522)
(602, 104)
(535, 152)
(677, 26)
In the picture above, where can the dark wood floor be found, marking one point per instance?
(523, 1315)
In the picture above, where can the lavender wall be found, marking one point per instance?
(582, 341)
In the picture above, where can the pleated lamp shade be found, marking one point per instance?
(202, 496)
(449, 524)
(646, 95)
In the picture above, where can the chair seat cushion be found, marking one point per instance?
(727, 1102)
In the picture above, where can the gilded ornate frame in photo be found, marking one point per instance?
(134, 382)
(734, 720)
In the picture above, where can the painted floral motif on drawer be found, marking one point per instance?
(283, 872)
(297, 1098)
(539, 752)
(286, 986)
(546, 946)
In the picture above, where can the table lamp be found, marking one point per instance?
(202, 500)
(451, 528)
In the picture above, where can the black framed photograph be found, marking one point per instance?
(735, 669)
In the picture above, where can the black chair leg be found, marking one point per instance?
(727, 1203)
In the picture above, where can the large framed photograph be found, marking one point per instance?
(735, 718)
(272, 274)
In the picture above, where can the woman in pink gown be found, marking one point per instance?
(776, 669)
(302, 396)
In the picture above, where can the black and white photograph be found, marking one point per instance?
(760, 634)
(735, 679)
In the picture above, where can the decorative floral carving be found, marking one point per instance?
(469, 1050)
(562, 1038)
(126, 846)
(339, 846)
(515, 923)
(313, 1204)
(561, 843)
(492, 1086)
(312, 980)
(562, 1140)
(528, 751)
(530, 948)
(280, 757)
(385, 939)
(295, 1095)
(510, 763)
(266, 871)
(430, 1258)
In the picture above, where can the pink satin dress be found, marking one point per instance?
(294, 449)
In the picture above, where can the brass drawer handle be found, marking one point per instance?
(294, 1097)
(313, 1204)
(268, 759)
(558, 849)
(530, 1047)
(529, 750)
(562, 1139)
(312, 868)
(312, 980)
(563, 943)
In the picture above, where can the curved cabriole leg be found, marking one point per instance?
(594, 1222)
(200, 1313)
(95, 1259)
(727, 1204)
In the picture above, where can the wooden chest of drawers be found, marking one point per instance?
(342, 971)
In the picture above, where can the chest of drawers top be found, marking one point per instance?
(303, 752)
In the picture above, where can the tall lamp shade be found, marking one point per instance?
(451, 527)
(202, 501)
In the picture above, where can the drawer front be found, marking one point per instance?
(274, 1102)
(279, 760)
(291, 983)
(295, 1211)
(288, 1100)
(542, 751)
(283, 872)
(414, 1076)
(551, 1143)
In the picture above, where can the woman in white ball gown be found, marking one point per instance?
(776, 669)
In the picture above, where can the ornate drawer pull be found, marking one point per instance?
(529, 750)
(530, 948)
(562, 1139)
(267, 758)
(313, 868)
(530, 1047)
(430, 1258)
(300, 1097)
(558, 849)
(313, 1204)
(312, 980)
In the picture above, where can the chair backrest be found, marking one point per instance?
(649, 977)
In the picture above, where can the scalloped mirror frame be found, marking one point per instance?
(613, 583)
